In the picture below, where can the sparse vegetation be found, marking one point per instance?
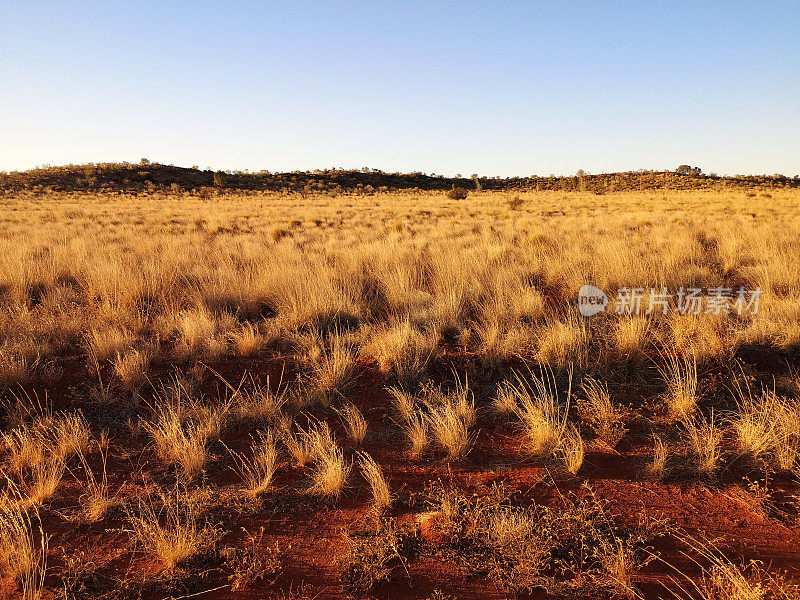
(358, 368)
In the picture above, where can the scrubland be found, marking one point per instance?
(394, 394)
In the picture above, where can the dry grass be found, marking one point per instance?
(408, 280)
(658, 464)
(97, 500)
(597, 409)
(416, 431)
(723, 579)
(15, 368)
(150, 275)
(182, 428)
(449, 418)
(296, 447)
(43, 479)
(333, 371)
(404, 403)
(131, 368)
(105, 343)
(166, 525)
(23, 546)
(38, 452)
(372, 472)
(542, 417)
(354, 422)
(631, 337)
(258, 470)
(449, 430)
(702, 438)
(402, 351)
(679, 374)
(260, 403)
(330, 474)
(247, 340)
(318, 440)
(570, 450)
(563, 343)
(767, 427)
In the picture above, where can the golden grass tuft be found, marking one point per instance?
(131, 368)
(596, 408)
(679, 374)
(23, 545)
(354, 422)
(330, 473)
(166, 525)
(105, 343)
(657, 466)
(767, 427)
(97, 500)
(570, 450)
(260, 403)
(448, 418)
(563, 343)
(542, 418)
(631, 336)
(333, 371)
(182, 428)
(702, 438)
(258, 470)
(403, 402)
(402, 351)
(373, 474)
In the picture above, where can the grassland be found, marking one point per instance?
(266, 394)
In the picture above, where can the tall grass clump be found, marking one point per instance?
(449, 418)
(679, 374)
(373, 474)
(258, 470)
(167, 526)
(182, 427)
(23, 544)
(541, 416)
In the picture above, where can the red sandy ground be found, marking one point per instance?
(311, 533)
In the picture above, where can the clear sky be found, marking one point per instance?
(496, 88)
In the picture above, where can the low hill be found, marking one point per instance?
(152, 176)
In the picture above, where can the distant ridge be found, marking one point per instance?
(147, 176)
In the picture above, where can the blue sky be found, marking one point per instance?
(497, 88)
